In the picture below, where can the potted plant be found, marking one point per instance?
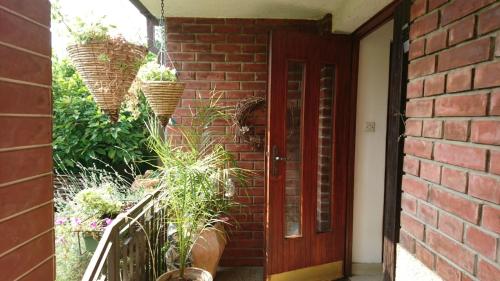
(199, 181)
(161, 88)
(76, 209)
(94, 209)
(87, 202)
(108, 65)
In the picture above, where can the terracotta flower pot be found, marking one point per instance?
(191, 274)
(207, 251)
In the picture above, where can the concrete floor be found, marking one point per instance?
(408, 269)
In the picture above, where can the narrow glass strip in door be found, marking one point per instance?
(325, 146)
(293, 137)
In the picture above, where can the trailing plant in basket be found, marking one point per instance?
(108, 65)
(161, 88)
(82, 31)
(153, 71)
(85, 32)
(198, 177)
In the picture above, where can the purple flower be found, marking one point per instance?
(60, 240)
(108, 221)
(76, 221)
(60, 221)
(93, 224)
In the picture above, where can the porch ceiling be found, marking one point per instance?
(347, 14)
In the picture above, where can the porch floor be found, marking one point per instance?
(240, 274)
(256, 274)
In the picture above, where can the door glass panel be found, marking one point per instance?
(325, 153)
(293, 136)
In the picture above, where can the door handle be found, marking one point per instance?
(275, 158)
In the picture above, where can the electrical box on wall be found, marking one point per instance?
(370, 126)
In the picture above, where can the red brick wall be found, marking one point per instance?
(451, 187)
(26, 212)
(230, 55)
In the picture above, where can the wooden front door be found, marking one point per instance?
(307, 156)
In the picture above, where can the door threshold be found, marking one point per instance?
(323, 272)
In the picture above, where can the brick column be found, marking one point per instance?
(451, 187)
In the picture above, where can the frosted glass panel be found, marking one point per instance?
(325, 146)
(293, 186)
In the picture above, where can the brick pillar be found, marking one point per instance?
(451, 187)
(26, 210)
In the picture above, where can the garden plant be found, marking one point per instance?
(199, 178)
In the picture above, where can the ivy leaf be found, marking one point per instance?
(111, 153)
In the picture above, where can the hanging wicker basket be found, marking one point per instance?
(108, 70)
(163, 97)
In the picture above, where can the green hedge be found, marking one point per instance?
(83, 134)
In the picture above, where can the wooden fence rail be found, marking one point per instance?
(130, 248)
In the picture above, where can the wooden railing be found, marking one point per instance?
(130, 248)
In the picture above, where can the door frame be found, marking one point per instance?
(399, 11)
(397, 98)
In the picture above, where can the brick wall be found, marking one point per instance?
(230, 55)
(26, 212)
(451, 187)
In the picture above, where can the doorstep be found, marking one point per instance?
(257, 273)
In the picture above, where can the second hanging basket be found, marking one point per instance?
(163, 97)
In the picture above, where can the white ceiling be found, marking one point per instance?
(347, 14)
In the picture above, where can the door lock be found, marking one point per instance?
(275, 158)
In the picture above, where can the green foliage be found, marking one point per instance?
(198, 177)
(99, 202)
(82, 134)
(81, 200)
(70, 263)
(152, 71)
(86, 32)
(83, 31)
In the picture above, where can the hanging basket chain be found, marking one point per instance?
(163, 53)
(163, 95)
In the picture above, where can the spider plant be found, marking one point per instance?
(197, 176)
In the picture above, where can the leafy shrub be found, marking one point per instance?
(82, 134)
